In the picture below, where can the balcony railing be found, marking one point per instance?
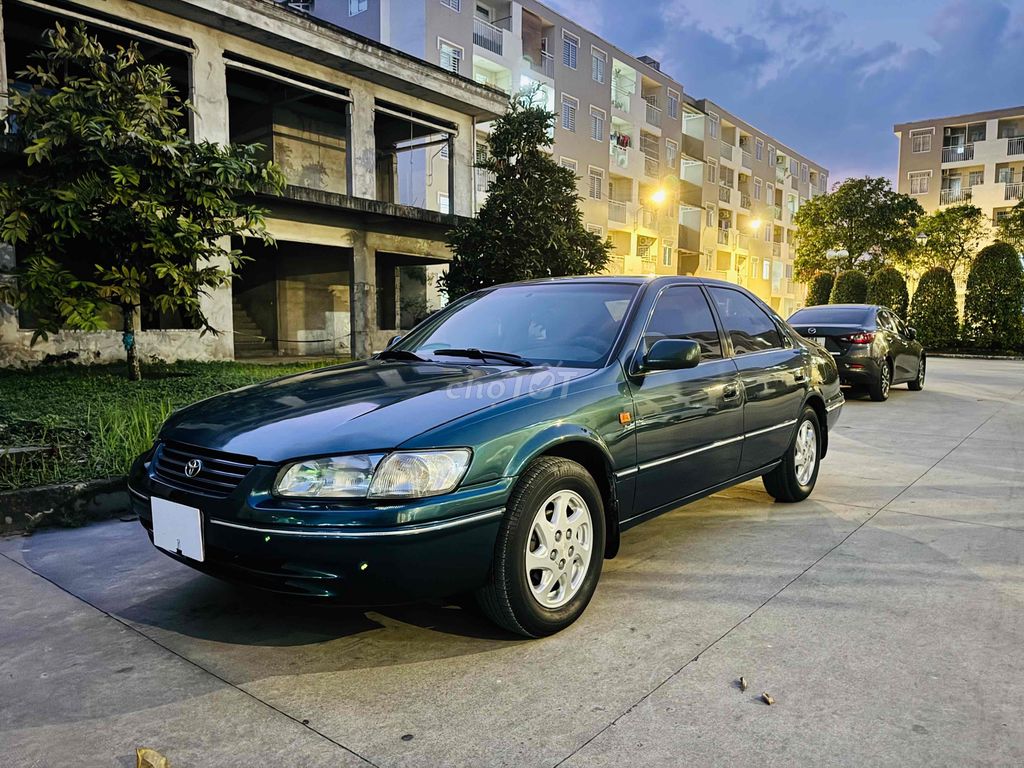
(958, 153)
(649, 218)
(653, 114)
(1015, 146)
(652, 167)
(780, 174)
(483, 179)
(724, 194)
(748, 159)
(620, 156)
(487, 36)
(724, 236)
(777, 250)
(744, 200)
(620, 98)
(726, 151)
(617, 211)
(546, 65)
(777, 212)
(948, 196)
(1014, 191)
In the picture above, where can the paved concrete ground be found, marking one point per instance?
(885, 615)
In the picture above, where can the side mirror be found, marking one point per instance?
(911, 333)
(393, 340)
(672, 355)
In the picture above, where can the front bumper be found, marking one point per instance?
(360, 554)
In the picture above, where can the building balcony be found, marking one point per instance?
(652, 166)
(1015, 146)
(653, 112)
(483, 179)
(777, 250)
(725, 194)
(780, 174)
(545, 64)
(744, 200)
(618, 211)
(777, 212)
(620, 98)
(724, 236)
(725, 150)
(950, 196)
(487, 36)
(958, 153)
(747, 159)
(1014, 191)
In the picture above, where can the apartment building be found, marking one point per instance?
(355, 261)
(643, 150)
(976, 158)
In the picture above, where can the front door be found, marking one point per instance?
(773, 371)
(689, 423)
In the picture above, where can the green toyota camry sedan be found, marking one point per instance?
(499, 449)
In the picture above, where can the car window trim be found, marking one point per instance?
(760, 305)
(633, 359)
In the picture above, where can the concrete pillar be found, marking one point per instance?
(8, 315)
(210, 123)
(364, 296)
(462, 160)
(362, 146)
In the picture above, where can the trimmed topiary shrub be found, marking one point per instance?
(851, 287)
(888, 289)
(820, 288)
(933, 311)
(993, 316)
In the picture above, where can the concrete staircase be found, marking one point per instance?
(250, 340)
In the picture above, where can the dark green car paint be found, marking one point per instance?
(374, 552)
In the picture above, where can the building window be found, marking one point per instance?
(355, 7)
(709, 216)
(443, 203)
(1003, 176)
(597, 132)
(974, 178)
(667, 254)
(712, 125)
(805, 173)
(455, 5)
(671, 154)
(568, 162)
(766, 270)
(757, 188)
(794, 167)
(569, 107)
(769, 190)
(823, 182)
(673, 104)
(789, 271)
(919, 182)
(768, 233)
(570, 49)
(595, 229)
(451, 56)
(711, 174)
(921, 141)
(596, 183)
(759, 149)
(599, 64)
(772, 156)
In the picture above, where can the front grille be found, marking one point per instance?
(220, 474)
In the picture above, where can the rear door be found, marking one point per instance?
(903, 350)
(689, 423)
(773, 371)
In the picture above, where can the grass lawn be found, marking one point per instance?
(96, 420)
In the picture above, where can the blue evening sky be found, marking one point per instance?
(828, 78)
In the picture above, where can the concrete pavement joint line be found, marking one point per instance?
(187, 660)
(953, 520)
(784, 587)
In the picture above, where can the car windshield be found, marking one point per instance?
(571, 324)
(830, 315)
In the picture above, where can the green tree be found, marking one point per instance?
(860, 216)
(933, 312)
(851, 287)
(995, 299)
(954, 236)
(530, 226)
(1010, 228)
(114, 206)
(820, 288)
(888, 288)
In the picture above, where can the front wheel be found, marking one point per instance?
(918, 384)
(549, 552)
(794, 478)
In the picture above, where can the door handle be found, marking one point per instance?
(731, 392)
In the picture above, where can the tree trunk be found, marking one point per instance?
(128, 339)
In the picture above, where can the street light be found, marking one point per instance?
(755, 224)
(922, 239)
(833, 255)
(659, 196)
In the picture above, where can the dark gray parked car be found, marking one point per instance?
(873, 348)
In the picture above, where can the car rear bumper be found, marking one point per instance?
(856, 368)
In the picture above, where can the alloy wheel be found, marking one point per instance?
(806, 453)
(920, 373)
(886, 380)
(559, 549)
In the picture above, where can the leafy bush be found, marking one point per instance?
(995, 300)
(851, 287)
(820, 289)
(888, 289)
(933, 311)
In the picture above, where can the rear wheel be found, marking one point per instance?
(879, 388)
(794, 478)
(550, 550)
(918, 384)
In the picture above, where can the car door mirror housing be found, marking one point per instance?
(912, 333)
(394, 340)
(672, 355)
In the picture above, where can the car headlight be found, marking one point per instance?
(414, 474)
(399, 475)
(336, 477)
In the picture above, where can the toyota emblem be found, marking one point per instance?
(193, 468)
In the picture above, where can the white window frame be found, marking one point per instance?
(766, 269)
(444, 203)
(673, 104)
(570, 42)
(355, 7)
(672, 154)
(919, 177)
(568, 162)
(598, 121)
(757, 188)
(573, 103)
(595, 229)
(769, 235)
(667, 254)
(980, 175)
(759, 149)
(710, 216)
(461, 55)
(805, 173)
(921, 133)
(595, 182)
(713, 124)
(711, 172)
(453, 5)
(773, 156)
(598, 65)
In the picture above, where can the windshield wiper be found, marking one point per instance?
(484, 354)
(400, 354)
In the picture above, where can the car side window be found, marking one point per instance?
(748, 326)
(885, 320)
(682, 312)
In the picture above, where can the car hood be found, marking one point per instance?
(364, 406)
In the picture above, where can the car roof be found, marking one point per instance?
(865, 307)
(630, 279)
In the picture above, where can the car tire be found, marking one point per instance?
(549, 552)
(918, 383)
(879, 388)
(794, 478)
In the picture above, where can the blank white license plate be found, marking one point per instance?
(819, 340)
(178, 528)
